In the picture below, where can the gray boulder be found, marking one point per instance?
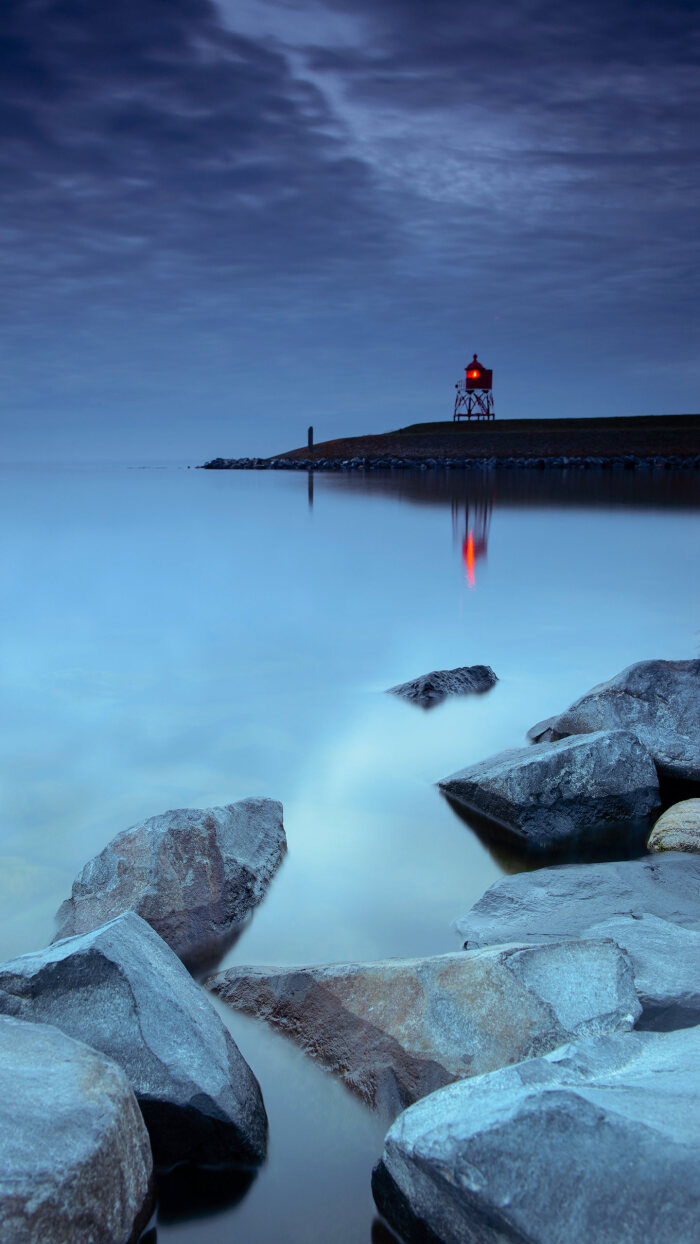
(678, 829)
(650, 907)
(567, 900)
(658, 700)
(431, 689)
(592, 788)
(76, 1163)
(665, 961)
(195, 876)
(398, 1029)
(124, 992)
(597, 1141)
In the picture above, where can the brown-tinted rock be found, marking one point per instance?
(194, 875)
(678, 829)
(396, 1030)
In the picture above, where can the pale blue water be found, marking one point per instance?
(176, 638)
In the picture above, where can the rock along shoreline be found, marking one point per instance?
(625, 462)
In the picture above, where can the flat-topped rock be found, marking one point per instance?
(659, 701)
(76, 1163)
(194, 875)
(678, 829)
(398, 1029)
(123, 991)
(586, 789)
(597, 1141)
(650, 907)
(566, 900)
(431, 689)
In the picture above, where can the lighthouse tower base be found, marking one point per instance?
(473, 403)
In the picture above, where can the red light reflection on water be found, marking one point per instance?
(468, 557)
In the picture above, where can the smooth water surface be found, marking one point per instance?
(177, 638)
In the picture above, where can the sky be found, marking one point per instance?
(221, 222)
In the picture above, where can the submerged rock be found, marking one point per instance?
(678, 829)
(124, 992)
(597, 1141)
(431, 689)
(76, 1163)
(585, 789)
(658, 700)
(398, 1029)
(194, 875)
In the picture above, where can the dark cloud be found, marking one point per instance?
(313, 180)
(146, 132)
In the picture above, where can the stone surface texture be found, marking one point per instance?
(431, 689)
(678, 829)
(566, 900)
(597, 1141)
(587, 789)
(124, 992)
(194, 875)
(658, 700)
(650, 907)
(76, 1162)
(398, 1029)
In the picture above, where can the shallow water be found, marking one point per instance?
(181, 638)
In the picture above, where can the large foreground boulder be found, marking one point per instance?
(398, 1029)
(124, 992)
(592, 788)
(658, 700)
(431, 689)
(649, 907)
(597, 1141)
(75, 1159)
(678, 829)
(194, 875)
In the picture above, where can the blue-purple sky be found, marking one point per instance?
(222, 222)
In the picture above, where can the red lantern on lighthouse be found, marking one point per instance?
(474, 397)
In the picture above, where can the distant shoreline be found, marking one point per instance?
(650, 441)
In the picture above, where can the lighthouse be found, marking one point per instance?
(474, 396)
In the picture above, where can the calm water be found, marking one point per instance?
(181, 638)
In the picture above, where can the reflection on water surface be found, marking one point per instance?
(174, 639)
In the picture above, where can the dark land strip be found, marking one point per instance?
(647, 441)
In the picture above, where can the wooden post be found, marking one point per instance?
(311, 439)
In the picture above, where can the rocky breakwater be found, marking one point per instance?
(76, 1162)
(398, 1029)
(413, 462)
(597, 1141)
(194, 875)
(123, 991)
